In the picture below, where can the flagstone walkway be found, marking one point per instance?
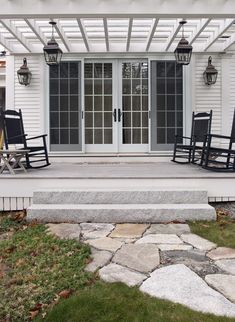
(166, 261)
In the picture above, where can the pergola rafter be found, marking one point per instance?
(35, 29)
(84, 34)
(128, 41)
(174, 33)
(17, 35)
(151, 33)
(225, 25)
(62, 35)
(200, 28)
(106, 33)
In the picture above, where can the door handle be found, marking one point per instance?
(119, 115)
(115, 115)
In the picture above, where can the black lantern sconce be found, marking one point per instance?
(183, 51)
(210, 74)
(24, 74)
(52, 51)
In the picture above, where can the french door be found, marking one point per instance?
(116, 106)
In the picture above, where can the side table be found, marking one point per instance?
(11, 160)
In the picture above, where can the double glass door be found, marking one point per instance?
(116, 106)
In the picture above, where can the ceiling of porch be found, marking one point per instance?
(117, 34)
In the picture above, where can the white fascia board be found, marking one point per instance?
(63, 8)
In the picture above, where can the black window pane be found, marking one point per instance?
(179, 102)
(170, 86)
(98, 120)
(64, 88)
(126, 119)
(179, 86)
(54, 136)
(170, 102)
(126, 86)
(64, 70)
(108, 70)
(54, 86)
(64, 119)
(88, 70)
(170, 136)
(161, 86)
(161, 70)
(108, 103)
(171, 119)
(98, 70)
(136, 119)
(161, 102)
(179, 71)
(126, 70)
(88, 87)
(74, 121)
(54, 71)
(161, 136)
(74, 86)
(54, 119)
(136, 70)
(98, 136)
(74, 136)
(64, 103)
(126, 136)
(161, 119)
(73, 69)
(145, 103)
(179, 119)
(136, 135)
(136, 103)
(108, 119)
(170, 69)
(64, 136)
(88, 119)
(108, 86)
(74, 103)
(54, 103)
(126, 103)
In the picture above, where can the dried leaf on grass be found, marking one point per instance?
(65, 293)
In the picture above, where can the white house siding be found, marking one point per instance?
(31, 99)
(231, 86)
(208, 97)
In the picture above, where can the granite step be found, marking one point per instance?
(119, 213)
(120, 197)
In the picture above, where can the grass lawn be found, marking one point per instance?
(43, 279)
(221, 232)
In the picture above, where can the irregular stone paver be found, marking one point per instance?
(105, 243)
(225, 284)
(143, 257)
(228, 265)
(95, 230)
(179, 284)
(100, 258)
(221, 253)
(177, 229)
(160, 239)
(198, 242)
(116, 273)
(127, 240)
(194, 259)
(128, 230)
(65, 231)
(168, 247)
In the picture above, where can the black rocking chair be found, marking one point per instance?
(220, 159)
(14, 134)
(191, 152)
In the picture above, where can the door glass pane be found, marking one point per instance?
(65, 106)
(135, 103)
(98, 103)
(166, 103)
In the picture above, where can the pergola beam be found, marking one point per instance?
(151, 33)
(62, 35)
(222, 29)
(4, 43)
(229, 42)
(13, 30)
(173, 34)
(84, 34)
(106, 33)
(129, 34)
(35, 29)
(203, 24)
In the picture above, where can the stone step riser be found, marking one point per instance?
(98, 214)
(120, 197)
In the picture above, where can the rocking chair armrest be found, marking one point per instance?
(183, 137)
(17, 136)
(219, 136)
(37, 137)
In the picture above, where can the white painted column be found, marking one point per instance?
(10, 82)
(225, 94)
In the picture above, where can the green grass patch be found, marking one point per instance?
(35, 267)
(221, 231)
(120, 303)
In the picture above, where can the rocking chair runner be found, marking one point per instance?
(13, 128)
(201, 125)
(220, 159)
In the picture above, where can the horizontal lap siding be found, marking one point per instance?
(29, 98)
(208, 97)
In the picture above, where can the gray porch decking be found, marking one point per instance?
(16, 191)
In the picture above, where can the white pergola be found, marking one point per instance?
(111, 26)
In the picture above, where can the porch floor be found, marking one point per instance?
(156, 170)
